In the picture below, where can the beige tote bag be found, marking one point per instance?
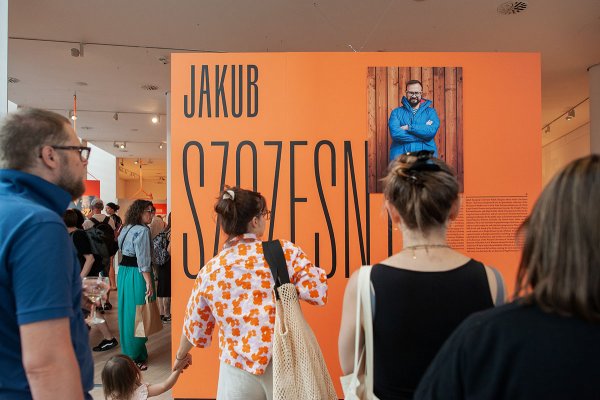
(147, 319)
(358, 385)
(299, 369)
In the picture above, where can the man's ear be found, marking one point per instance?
(49, 157)
(454, 210)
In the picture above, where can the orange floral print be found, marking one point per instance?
(235, 291)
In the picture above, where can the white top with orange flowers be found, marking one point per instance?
(235, 289)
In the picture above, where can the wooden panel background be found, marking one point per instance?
(385, 88)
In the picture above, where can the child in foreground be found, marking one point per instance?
(122, 380)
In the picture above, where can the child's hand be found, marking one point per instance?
(181, 364)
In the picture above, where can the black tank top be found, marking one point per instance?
(415, 312)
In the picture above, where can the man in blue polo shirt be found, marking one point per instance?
(44, 350)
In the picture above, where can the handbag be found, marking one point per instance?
(147, 319)
(358, 385)
(299, 369)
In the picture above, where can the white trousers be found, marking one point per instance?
(237, 384)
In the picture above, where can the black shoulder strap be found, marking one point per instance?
(124, 237)
(276, 260)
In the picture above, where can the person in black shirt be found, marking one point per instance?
(425, 291)
(111, 210)
(89, 267)
(546, 344)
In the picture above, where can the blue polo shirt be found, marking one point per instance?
(39, 275)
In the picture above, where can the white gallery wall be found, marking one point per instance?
(103, 167)
(560, 151)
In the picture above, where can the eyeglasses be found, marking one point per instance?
(150, 210)
(415, 94)
(84, 152)
(266, 214)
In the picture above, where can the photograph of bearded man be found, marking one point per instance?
(413, 126)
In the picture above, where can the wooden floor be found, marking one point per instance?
(159, 353)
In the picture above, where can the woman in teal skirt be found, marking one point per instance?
(135, 280)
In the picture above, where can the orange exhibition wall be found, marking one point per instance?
(295, 126)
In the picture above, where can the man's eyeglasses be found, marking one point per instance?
(84, 152)
(150, 210)
(415, 94)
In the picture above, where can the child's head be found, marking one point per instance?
(120, 377)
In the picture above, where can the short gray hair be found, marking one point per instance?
(24, 133)
(98, 204)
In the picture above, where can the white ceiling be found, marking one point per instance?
(566, 33)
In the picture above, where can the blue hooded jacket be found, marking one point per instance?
(419, 135)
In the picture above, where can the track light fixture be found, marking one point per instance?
(570, 114)
(120, 145)
(77, 52)
(547, 129)
(161, 145)
(116, 116)
(155, 119)
(72, 115)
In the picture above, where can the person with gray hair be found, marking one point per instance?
(97, 207)
(44, 352)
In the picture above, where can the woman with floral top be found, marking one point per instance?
(235, 290)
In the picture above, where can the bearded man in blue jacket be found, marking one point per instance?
(414, 125)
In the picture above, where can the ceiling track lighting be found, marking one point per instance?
(72, 115)
(570, 114)
(155, 119)
(116, 116)
(567, 115)
(77, 52)
(120, 145)
(161, 145)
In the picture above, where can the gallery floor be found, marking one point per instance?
(159, 351)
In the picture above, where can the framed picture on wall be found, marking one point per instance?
(412, 109)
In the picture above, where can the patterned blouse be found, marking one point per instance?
(235, 290)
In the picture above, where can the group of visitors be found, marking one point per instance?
(134, 238)
(440, 327)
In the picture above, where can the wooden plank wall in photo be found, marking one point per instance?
(385, 88)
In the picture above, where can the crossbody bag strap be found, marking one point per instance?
(125, 237)
(276, 260)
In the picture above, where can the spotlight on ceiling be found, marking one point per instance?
(77, 52)
(161, 145)
(155, 119)
(72, 115)
(120, 145)
(116, 116)
(547, 129)
(136, 162)
(570, 114)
